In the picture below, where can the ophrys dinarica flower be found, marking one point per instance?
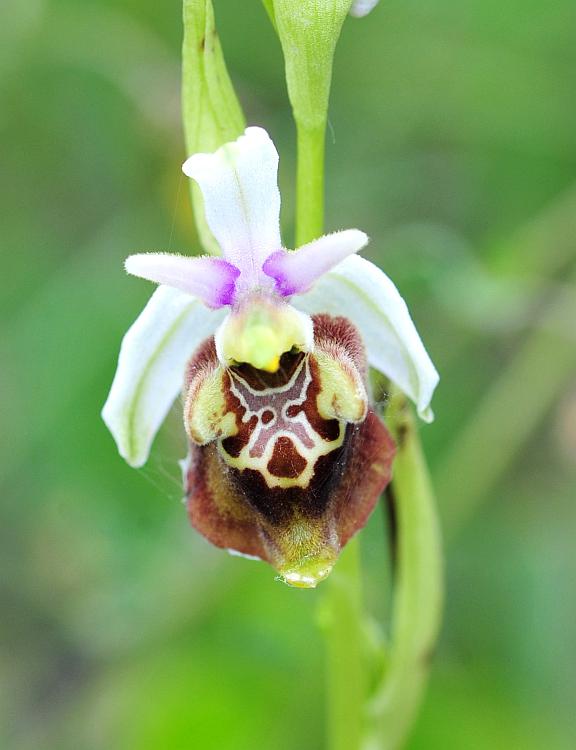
(270, 349)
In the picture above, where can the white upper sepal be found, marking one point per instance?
(364, 294)
(151, 367)
(241, 199)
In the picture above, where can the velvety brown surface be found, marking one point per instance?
(236, 508)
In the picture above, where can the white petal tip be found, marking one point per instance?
(192, 164)
(235, 553)
(360, 237)
(196, 165)
(114, 421)
(355, 239)
(138, 265)
(426, 415)
(361, 8)
(135, 462)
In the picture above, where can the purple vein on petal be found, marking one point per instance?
(295, 272)
(211, 280)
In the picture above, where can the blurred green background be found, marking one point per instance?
(453, 144)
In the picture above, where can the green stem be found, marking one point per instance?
(309, 183)
(346, 677)
(384, 721)
(417, 589)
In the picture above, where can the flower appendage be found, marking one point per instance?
(287, 458)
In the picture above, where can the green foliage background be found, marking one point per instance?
(453, 144)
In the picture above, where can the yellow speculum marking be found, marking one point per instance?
(273, 365)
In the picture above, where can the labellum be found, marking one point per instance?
(285, 466)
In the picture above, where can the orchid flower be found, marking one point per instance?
(270, 349)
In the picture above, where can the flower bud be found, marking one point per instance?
(308, 31)
(211, 112)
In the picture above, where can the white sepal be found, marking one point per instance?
(241, 199)
(360, 291)
(151, 366)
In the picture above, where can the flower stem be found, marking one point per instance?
(309, 183)
(418, 589)
(346, 678)
(383, 719)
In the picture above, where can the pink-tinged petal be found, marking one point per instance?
(241, 199)
(296, 271)
(212, 280)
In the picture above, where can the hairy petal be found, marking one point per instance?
(212, 280)
(151, 366)
(295, 271)
(361, 291)
(241, 199)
